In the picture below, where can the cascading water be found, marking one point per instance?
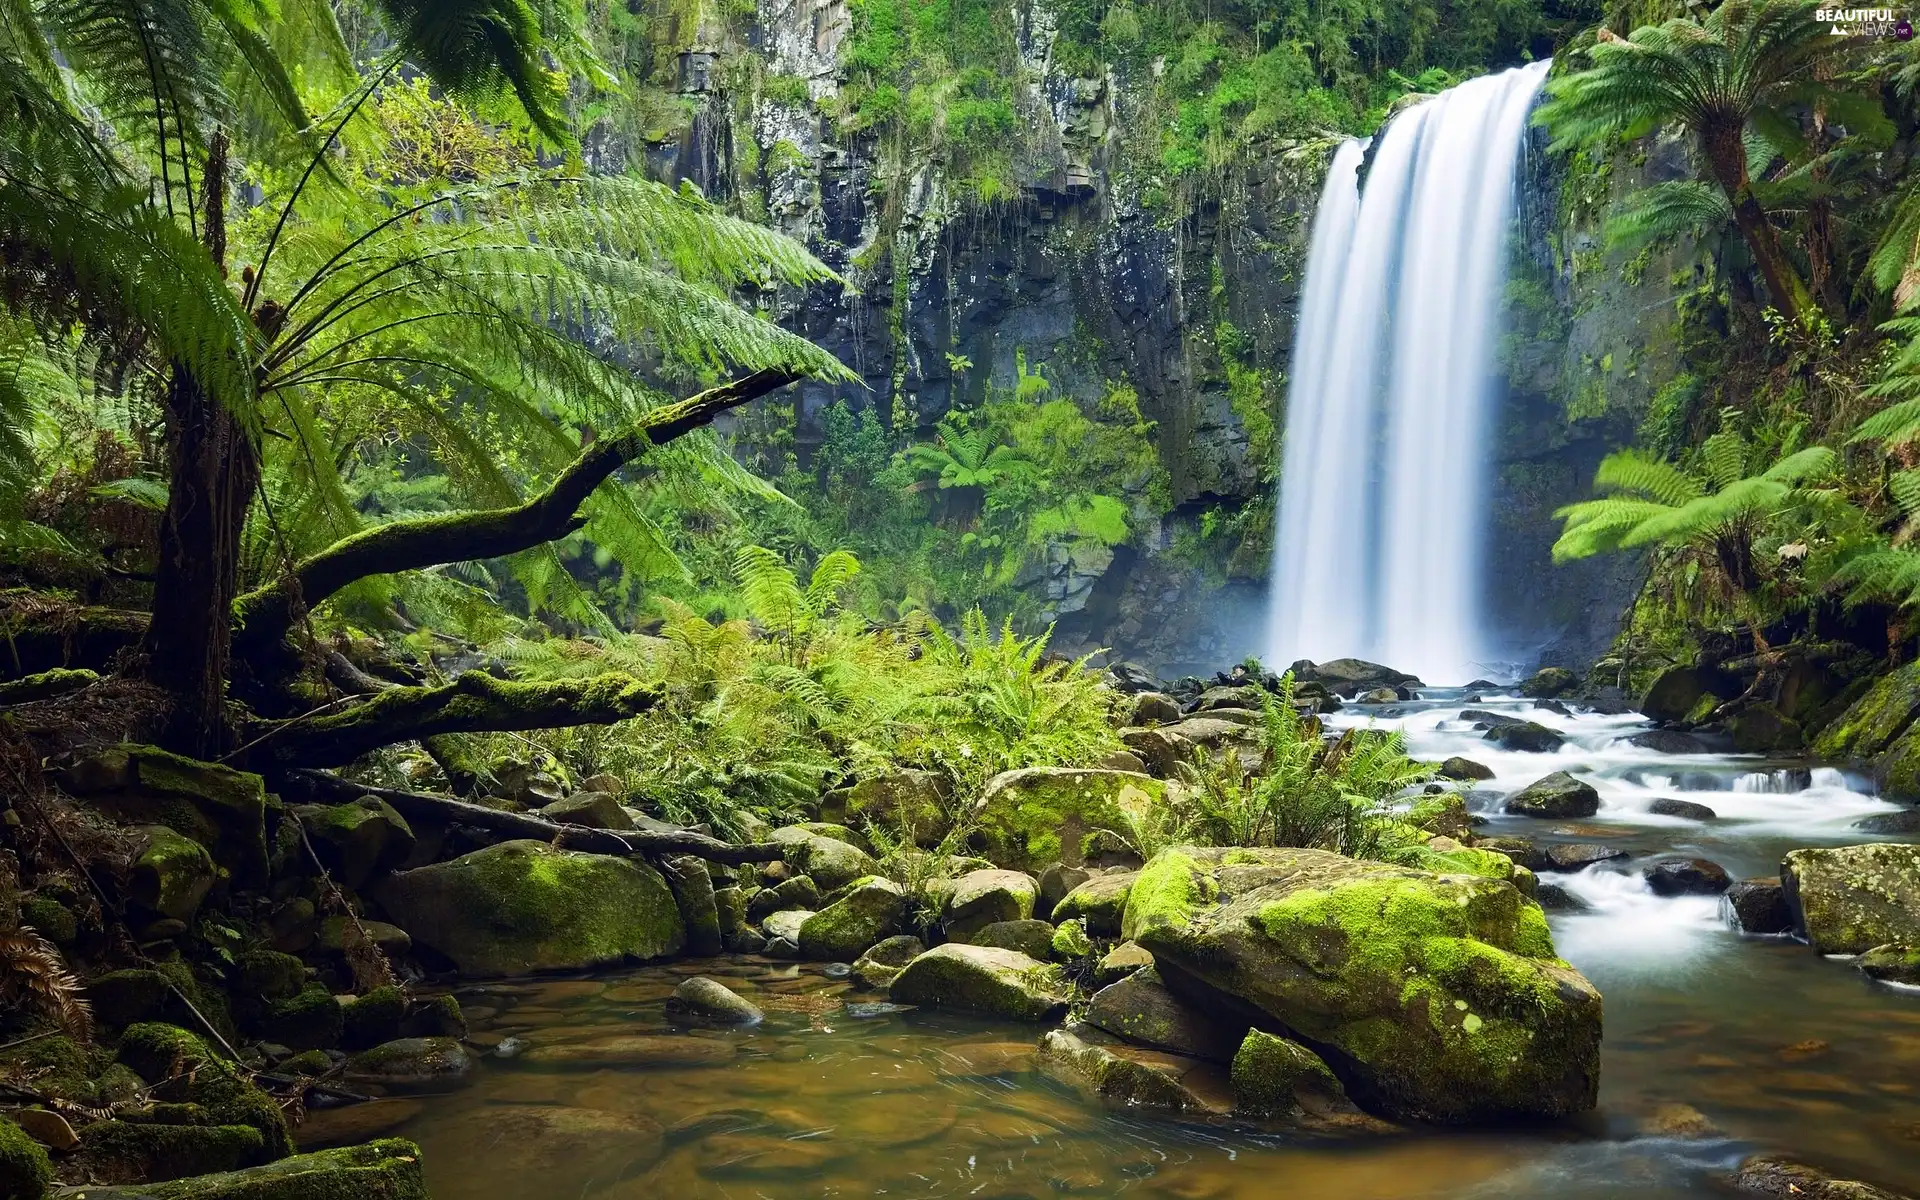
(1383, 487)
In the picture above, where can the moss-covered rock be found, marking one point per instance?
(382, 1170)
(310, 1020)
(1100, 902)
(799, 892)
(337, 933)
(1276, 1077)
(1465, 769)
(373, 1018)
(1433, 997)
(706, 1001)
(1558, 796)
(884, 961)
(1896, 770)
(1030, 937)
(524, 906)
(1850, 899)
(25, 1172)
(592, 809)
(1677, 693)
(692, 886)
(1549, 682)
(1120, 962)
(911, 803)
(222, 809)
(981, 898)
(183, 1070)
(269, 975)
(984, 980)
(871, 909)
(1070, 941)
(1892, 964)
(1129, 1076)
(130, 1152)
(172, 873)
(50, 919)
(1441, 813)
(1039, 815)
(413, 1065)
(1764, 729)
(1872, 723)
(357, 840)
(830, 862)
(1140, 1009)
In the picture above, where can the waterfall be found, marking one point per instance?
(1381, 533)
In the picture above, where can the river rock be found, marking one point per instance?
(523, 906)
(631, 1051)
(1668, 741)
(831, 862)
(1530, 736)
(1099, 902)
(907, 801)
(1759, 906)
(984, 980)
(1687, 877)
(1464, 769)
(710, 1002)
(1031, 938)
(1904, 821)
(1849, 899)
(1676, 693)
(172, 873)
(1039, 815)
(1576, 856)
(1055, 882)
(1276, 1077)
(1549, 682)
(1348, 677)
(1140, 1009)
(1524, 852)
(594, 809)
(981, 898)
(1120, 962)
(182, 1070)
(1768, 1175)
(871, 909)
(1433, 997)
(786, 925)
(1443, 814)
(798, 892)
(1130, 1076)
(1160, 751)
(884, 960)
(413, 1065)
(381, 1170)
(1667, 806)
(1764, 729)
(692, 885)
(1892, 964)
(1153, 708)
(1557, 796)
(1554, 898)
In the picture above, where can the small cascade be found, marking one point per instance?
(1382, 522)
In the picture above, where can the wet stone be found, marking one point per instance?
(1759, 906)
(1687, 877)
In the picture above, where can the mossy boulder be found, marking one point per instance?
(704, 1001)
(1892, 964)
(1872, 723)
(1464, 769)
(1161, 751)
(798, 892)
(692, 886)
(413, 1065)
(1029, 818)
(172, 873)
(183, 1070)
(25, 1172)
(1530, 736)
(357, 840)
(1896, 770)
(1677, 693)
(985, 980)
(871, 909)
(910, 803)
(268, 975)
(524, 906)
(1850, 899)
(1557, 796)
(373, 1018)
(982, 898)
(829, 861)
(1442, 813)
(221, 808)
(1432, 997)
(594, 810)
(1140, 1009)
(1099, 902)
(50, 918)
(310, 1020)
(383, 1170)
(1030, 937)
(883, 961)
(1764, 729)
(1120, 962)
(1548, 683)
(1069, 941)
(133, 1152)
(1276, 1077)
(1128, 1076)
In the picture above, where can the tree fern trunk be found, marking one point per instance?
(216, 469)
(1727, 158)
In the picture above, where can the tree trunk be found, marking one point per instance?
(1727, 158)
(216, 469)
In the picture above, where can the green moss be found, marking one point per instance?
(1167, 893)
(1464, 860)
(59, 1067)
(269, 975)
(51, 919)
(183, 1069)
(1070, 940)
(172, 875)
(985, 980)
(872, 909)
(1039, 815)
(127, 1152)
(311, 1020)
(25, 1172)
(374, 1018)
(388, 1169)
(1443, 814)
(222, 809)
(1875, 720)
(1270, 1073)
(439, 1016)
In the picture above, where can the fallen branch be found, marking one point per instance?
(475, 702)
(266, 614)
(425, 806)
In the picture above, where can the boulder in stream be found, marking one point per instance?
(1128, 1075)
(523, 906)
(1577, 856)
(1667, 806)
(1849, 899)
(1099, 902)
(1464, 769)
(1030, 937)
(1039, 815)
(1432, 997)
(1548, 683)
(1668, 741)
(1892, 964)
(982, 979)
(1771, 1175)
(1687, 877)
(885, 960)
(1677, 692)
(1907, 820)
(1557, 796)
(383, 1170)
(982, 898)
(709, 1002)
(871, 909)
(436, 1064)
(831, 861)
(1140, 1009)
(1530, 736)
(1759, 906)
(1274, 1076)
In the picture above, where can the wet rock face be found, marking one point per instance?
(1759, 906)
(1850, 899)
(1687, 877)
(1559, 795)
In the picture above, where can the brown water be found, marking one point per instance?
(1778, 1048)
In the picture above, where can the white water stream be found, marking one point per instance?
(1381, 539)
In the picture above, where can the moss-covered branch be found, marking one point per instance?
(424, 806)
(473, 703)
(267, 613)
